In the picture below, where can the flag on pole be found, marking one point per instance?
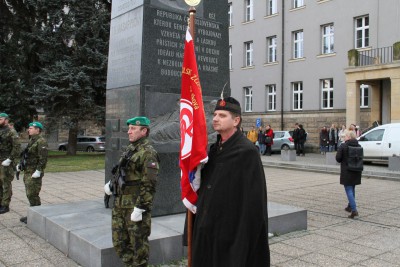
(193, 150)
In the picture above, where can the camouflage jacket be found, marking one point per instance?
(10, 146)
(141, 176)
(37, 153)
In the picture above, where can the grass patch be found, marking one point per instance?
(58, 161)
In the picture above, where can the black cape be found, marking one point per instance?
(230, 228)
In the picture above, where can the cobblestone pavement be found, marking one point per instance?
(19, 246)
(330, 240)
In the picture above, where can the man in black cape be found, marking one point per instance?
(230, 226)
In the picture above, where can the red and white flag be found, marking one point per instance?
(193, 151)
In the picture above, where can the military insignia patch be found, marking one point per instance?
(222, 103)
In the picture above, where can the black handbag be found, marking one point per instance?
(268, 139)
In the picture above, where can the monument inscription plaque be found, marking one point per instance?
(144, 77)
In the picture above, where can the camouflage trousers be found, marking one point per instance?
(32, 187)
(6, 177)
(131, 239)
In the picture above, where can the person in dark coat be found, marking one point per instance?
(295, 137)
(230, 226)
(261, 140)
(349, 179)
(324, 140)
(301, 139)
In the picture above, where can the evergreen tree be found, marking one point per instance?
(18, 61)
(71, 84)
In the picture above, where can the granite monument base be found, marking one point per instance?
(82, 230)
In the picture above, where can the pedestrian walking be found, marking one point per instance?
(34, 159)
(9, 153)
(348, 178)
(134, 187)
(230, 227)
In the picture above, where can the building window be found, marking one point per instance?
(298, 44)
(298, 3)
(249, 10)
(327, 93)
(271, 7)
(327, 39)
(230, 13)
(362, 32)
(297, 95)
(230, 57)
(248, 99)
(364, 96)
(248, 49)
(271, 97)
(271, 49)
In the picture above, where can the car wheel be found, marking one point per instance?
(62, 148)
(285, 147)
(89, 149)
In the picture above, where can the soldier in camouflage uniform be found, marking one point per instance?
(36, 161)
(9, 153)
(131, 215)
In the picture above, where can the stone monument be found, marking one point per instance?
(144, 78)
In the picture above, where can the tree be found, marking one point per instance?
(18, 61)
(71, 85)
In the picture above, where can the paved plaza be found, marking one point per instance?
(332, 239)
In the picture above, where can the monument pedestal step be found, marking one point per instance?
(82, 230)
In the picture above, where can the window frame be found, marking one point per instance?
(248, 51)
(328, 39)
(272, 49)
(327, 102)
(297, 90)
(272, 7)
(271, 97)
(248, 98)
(230, 57)
(298, 3)
(364, 96)
(230, 14)
(298, 44)
(363, 29)
(248, 10)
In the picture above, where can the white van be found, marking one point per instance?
(381, 142)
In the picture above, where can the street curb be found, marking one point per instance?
(389, 176)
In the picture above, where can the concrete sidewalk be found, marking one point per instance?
(331, 239)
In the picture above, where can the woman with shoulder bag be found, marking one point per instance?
(269, 140)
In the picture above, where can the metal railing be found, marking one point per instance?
(375, 56)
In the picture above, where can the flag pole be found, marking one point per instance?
(191, 22)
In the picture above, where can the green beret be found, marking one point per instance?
(139, 121)
(4, 115)
(36, 124)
